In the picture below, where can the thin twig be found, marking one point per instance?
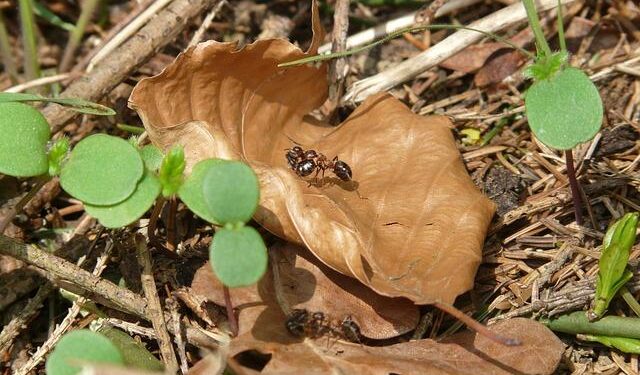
(61, 270)
(154, 309)
(379, 31)
(67, 322)
(128, 31)
(117, 65)
(476, 326)
(197, 36)
(178, 330)
(13, 329)
(448, 47)
(42, 81)
(338, 67)
(80, 281)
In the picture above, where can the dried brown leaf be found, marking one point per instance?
(475, 57)
(411, 224)
(499, 68)
(307, 283)
(464, 353)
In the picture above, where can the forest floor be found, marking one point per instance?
(536, 261)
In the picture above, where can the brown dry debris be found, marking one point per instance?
(412, 223)
(464, 353)
(304, 282)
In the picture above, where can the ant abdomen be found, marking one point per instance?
(305, 168)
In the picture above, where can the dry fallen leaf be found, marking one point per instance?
(463, 353)
(305, 283)
(475, 56)
(411, 224)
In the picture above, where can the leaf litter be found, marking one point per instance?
(521, 258)
(410, 226)
(411, 215)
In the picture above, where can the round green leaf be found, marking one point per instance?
(238, 256)
(152, 157)
(132, 208)
(79, 347)
(565, 110)
(191, 190)
(102, 170)
(23, 144)
(231, 191)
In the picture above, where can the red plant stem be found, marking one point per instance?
(233, 323)
(476, 326)
(575, 187)
(153, 219)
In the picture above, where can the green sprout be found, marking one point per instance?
(226, 193)
(108, 346)
(171, 171)
(81, 347)
(563, 106)
(613, 272)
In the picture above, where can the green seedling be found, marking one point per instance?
(171, 171)
(152, 157)
(563, 106)
(191, 192)
(226, 193)
(623, 344)
(79, 348)
(102, 170)
(613, 273)
(23, 145)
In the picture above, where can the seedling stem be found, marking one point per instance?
(233, 322)
(575, 186)
(534, 22)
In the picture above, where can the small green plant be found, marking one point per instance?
(81, 347)
(624, 344)
(613, 272)
(118, 183)
(563, 106)
(107, 346)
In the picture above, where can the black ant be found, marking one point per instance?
(305, 162)
(301, 323)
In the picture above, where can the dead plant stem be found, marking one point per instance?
(154, 309)
(476, 326)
